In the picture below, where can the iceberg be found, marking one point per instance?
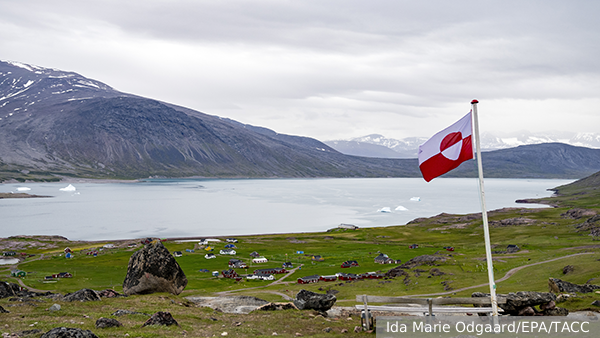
(400, 208)
(70, 187)
(415, 199)
(385, 209)
(23, 189)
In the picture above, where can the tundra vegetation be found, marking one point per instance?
(553, 234)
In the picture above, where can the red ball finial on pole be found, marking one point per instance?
(474, 101)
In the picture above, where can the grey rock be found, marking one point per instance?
(109, 293)
(83, 295)
(423, 260)
(26, 333)
(102, 323)
(568, 269)
(67, 332)
(557, 311)
(308, 300)
(557, 285)
(14, 290)
(153, 269)
(3, 310)
(596, 303)
(161, 318)
(119, 313)
(517, 302)
(54, 307)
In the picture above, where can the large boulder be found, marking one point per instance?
(308, 300)
(153, 269)
(14, 290)
(68, 332)
(523, 303)
(556, 285)
(83, 295)
(103, 323)
(161, 318)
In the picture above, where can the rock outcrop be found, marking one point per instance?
(161, 318)
(103, 323)
(109, 293)
(14, 290)
(523, 303)
(83, 295)
(308, 300)
(153, 269)
(68, 332)
(423, 260)
(557, 286)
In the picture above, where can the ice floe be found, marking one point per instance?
(400, 208)
(23, 189)
(70, 187)
(385, 209)
(415, 199)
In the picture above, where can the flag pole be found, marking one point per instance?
(486, 230)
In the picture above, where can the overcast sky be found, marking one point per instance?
(331, 69)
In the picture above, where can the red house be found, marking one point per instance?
(309, 279)
(331, 278)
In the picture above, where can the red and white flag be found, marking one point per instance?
(447, 149)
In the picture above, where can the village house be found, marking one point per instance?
(230, 246)
(347, 226)
(269, 271)
(203, 241)
(348, 264)
(237, 264)
(287, 265)
(108, 246)
(317, 258)
(177, 254)
(413, 246)
(229, 273)
(384, 259)
(231, 240)
(348, 276)
(372, 275)
(254, 254)
(67, 250)
(227, 252)
(210, 256)
(10, 253)
(208, 248)
(62, 275)
(309, 279)
(190, 250)
(330, 278)
(259, 260)
(17, 273)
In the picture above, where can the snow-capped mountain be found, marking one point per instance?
(373, 145)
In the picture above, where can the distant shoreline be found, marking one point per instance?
(6, 195)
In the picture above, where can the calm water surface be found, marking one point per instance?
(182, 208)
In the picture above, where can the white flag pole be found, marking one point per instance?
(486, 230)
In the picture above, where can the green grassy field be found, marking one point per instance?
(544, 236)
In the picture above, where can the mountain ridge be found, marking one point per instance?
(373, 145)
(55, 123)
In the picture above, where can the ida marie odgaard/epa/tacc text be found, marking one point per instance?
(578, 327)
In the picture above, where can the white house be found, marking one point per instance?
(108, 246)
(260, 260)
(227, 252)
(210, 256)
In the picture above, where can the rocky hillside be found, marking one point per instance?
(64, 123)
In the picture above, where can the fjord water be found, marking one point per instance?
(194, 207)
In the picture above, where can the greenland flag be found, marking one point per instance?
(447, 149)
